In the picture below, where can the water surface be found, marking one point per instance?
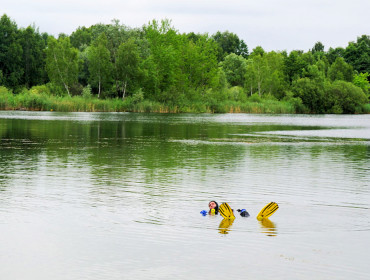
(118, 196)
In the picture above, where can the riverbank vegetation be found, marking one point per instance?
(112, 67)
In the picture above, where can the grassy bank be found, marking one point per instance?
(37, 101)
(34, 100)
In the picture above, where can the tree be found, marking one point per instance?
(294, 65)
(318, 47)
(128, 66)
(162, 65)
(193, 37)
(83, 67)
(10, 53)
(230, 43)
(234, 67)
(201, 62)
(99, 63)
(265, 74)
(316, 71)
(242, 49)
(358, 54)
(334, 53)
(116, 34)
(62, 63)
(197, 63)
(258, 51)
(256, 74)
(33, 57)
(81, 38)
(276, 82)
(340, 70)
(313, 72)
(362, 81)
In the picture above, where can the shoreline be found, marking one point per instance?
(34, 100)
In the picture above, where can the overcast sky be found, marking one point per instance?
(272, 24)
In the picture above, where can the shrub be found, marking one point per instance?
(33, 101)
(138, 96)
(43, 89)
(346, 96)
(237, 93)
(366, 108)
(296, 102)
(4, 90)
(86, 92)
(312, 94)
(255, 98)
(6, 99)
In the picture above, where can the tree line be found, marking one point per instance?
(157, 62)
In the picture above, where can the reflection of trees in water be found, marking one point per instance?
(353, 158)
(148, 150)
(16, 150)
(128, 148)
(118, 148)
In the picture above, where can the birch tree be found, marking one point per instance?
(62, 62)
(128, 66)
(256, 74)
(99, 63)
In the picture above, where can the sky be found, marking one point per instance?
(273, 24)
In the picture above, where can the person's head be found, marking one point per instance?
(213, 205)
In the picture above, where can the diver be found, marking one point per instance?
(213, 209)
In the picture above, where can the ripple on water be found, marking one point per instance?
(109, 200)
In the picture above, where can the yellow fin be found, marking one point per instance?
(225, 211)
(267, 211)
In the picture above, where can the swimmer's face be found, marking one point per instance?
(212, 205)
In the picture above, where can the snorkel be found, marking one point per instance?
(214, 210)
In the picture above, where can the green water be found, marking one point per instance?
(119, 195)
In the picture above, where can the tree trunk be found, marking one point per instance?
(60, 74)
(99, 88)
(259, 88)
(66, 87)
(124, 90)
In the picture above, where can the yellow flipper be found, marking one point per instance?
(225, 211)
(267, 211)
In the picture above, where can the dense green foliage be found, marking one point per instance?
(160, 69)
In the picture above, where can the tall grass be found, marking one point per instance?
(35, 101)
(38, 99)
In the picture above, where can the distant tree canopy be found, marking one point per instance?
(230, 43)
(161, 64)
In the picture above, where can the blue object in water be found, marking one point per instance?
(203, 212)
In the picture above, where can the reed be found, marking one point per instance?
(40, 100)
(43, 102)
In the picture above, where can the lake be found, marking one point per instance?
(119, 195)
